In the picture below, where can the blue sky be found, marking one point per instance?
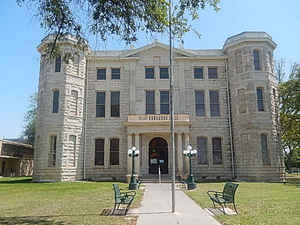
(20, 34)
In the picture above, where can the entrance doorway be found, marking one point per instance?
(158, 156)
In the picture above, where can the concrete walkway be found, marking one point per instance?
(156, 208)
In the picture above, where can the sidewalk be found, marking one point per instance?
(156, 208)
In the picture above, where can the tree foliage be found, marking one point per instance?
(289, 92)
(30, 120)
(123, 18)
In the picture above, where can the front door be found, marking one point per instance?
(158, 156)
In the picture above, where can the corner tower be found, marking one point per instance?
(253, 89)
(59, 129)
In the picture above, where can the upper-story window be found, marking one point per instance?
(200, 103)
(115, 73)
(52, 151)
(149, 72)
(164, 102)
(164, 73)
(214, 103)
(150, 102)
(74, 102)
(260, 99)
(114, 151)
(202, 150)
(100, 104)
(115, 104)
(271, 61)
(101, 74)
(212, 72)
(58, 64)
(256, 58)
(99, 152)
(55, 101)
(198, 72)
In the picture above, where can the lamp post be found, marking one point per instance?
(133, 152)
(190, 153)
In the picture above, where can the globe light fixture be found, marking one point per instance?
(190, 152)
(133, 152)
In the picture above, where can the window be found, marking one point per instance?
(260, 99)
(200, 103)
(72, 139)
(164, 102)
(99, 152)
(55, 101)
(150, 102)
(74, 102)
(115, 73)
(198, 73)
(202, 150)
(115, 104)
(149, 72)
(164, 73)
(114, 151)
(242, 101)
(212, 73)
(214, 103)
(101, 74)
(58, 64)
(256, 59)
(52, 151)
(264, 149)
(217, 150)
(271, 61)
(100, 104)
(238, 61)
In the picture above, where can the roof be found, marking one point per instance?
(249, 36)
(16, 143)
(181, 51)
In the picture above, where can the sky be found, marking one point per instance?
(20, 33)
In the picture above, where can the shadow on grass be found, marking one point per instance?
(16, 181)
(29, 220)
(293, 181)
(40, 220)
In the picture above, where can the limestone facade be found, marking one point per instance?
(238, 138)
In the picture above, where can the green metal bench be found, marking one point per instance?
(225, 197)
(122, 198)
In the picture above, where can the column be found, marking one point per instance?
(137, 159)
(186, 164)
(179, 155)
(129, 163)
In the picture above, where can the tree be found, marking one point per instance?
(289, 94)
(123, 18)
(30, 120)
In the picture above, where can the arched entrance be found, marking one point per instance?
(158, 156)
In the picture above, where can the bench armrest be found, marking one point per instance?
(130, 193)
(214, 193)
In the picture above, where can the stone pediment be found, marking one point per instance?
(137, 52)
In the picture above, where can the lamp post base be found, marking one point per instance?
(133, 184)
(191, 183)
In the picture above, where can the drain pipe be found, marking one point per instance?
(230, 121)
(85, 117)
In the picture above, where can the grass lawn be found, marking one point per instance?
(24, 202)
(257, 203)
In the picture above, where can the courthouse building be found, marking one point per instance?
(95, 105)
